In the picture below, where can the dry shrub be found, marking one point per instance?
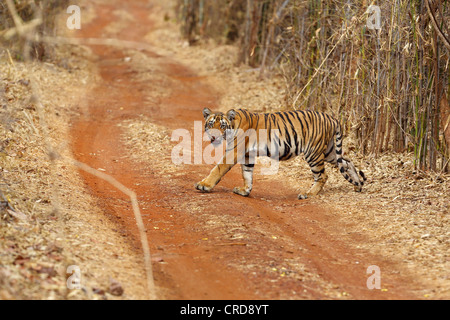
(27, 11)
(220, 20)
(52, 222)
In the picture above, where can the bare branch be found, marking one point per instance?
(436, 27)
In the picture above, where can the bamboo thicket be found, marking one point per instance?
(389, 86)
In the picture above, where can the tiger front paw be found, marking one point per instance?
(202, 186)
(241, 191)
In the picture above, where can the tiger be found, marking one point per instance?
(316, 135)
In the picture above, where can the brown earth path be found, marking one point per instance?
(268, 246)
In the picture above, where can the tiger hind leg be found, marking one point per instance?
(320, 178)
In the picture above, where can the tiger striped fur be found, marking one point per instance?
(314, 134)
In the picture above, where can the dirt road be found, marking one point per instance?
(217, 245)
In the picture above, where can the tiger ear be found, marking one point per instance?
(231, 114)
(206, 112)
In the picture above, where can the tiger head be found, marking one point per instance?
(218, 126)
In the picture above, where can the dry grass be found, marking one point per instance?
(218, 65)
(144, 139)
(63, 226)
(402, 212)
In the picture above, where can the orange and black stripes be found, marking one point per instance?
(316, 135)
(280, 136)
